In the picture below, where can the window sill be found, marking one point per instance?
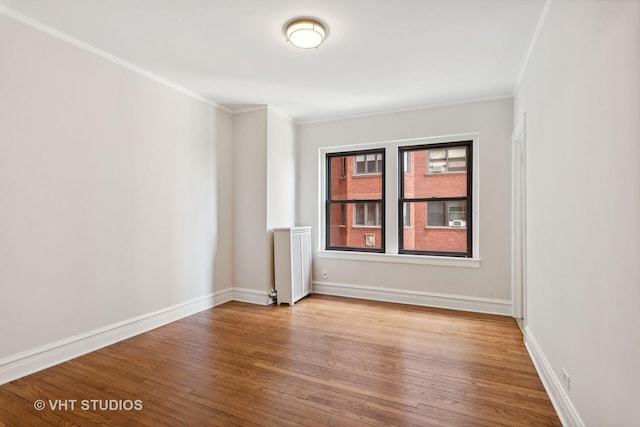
(445, 173)
(377, 227)
(401, 259)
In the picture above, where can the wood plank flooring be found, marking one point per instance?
(326, 361)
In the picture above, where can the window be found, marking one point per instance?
(439, 201)
(447, 160)
(435, 211)
(367, 215)
(368, 163)
(406, 165)
(446, 214)
(406, 215)
(358, 197)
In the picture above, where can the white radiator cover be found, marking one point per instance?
(292, 263)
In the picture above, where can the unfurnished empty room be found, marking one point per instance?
(345, 213)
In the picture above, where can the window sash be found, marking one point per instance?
(455, 156)
(372, 211)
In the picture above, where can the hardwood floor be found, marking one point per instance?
(325, 361)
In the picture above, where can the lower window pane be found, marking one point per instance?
(355, 225)
(436, 226)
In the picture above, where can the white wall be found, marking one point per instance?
(581, 94)
(281, 171)
(113, 192)
(223, 266)
(493, 121)
(264, 193)
(281, 178)
(251, 240)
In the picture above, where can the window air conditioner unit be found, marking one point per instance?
(457, 223)
(437, 168)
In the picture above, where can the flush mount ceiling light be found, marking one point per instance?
(305, 33)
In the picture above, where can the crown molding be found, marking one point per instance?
(532, 45)
(17, 16)
(407, 109)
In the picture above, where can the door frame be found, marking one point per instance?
(519, 222)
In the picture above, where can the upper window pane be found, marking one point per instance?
(350, 179)
(436, 173)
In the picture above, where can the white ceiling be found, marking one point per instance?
(379, 54)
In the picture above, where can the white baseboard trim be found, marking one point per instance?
(251, 296)
(222, 296)
(37, 359)
(31, 361)
(429, 299)
(561, 402)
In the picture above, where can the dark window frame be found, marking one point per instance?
(329, 201)
(468, 145)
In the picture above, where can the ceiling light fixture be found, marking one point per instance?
(305, 33)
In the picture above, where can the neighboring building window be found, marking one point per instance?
(357, 197)
(367, 215)
(368, 163)
(435, 214)
(406, 165)
(446, 214)
(447, 160)
(439, 202)
(406, 215)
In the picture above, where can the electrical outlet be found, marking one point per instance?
(325, 274)
(566, 379)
